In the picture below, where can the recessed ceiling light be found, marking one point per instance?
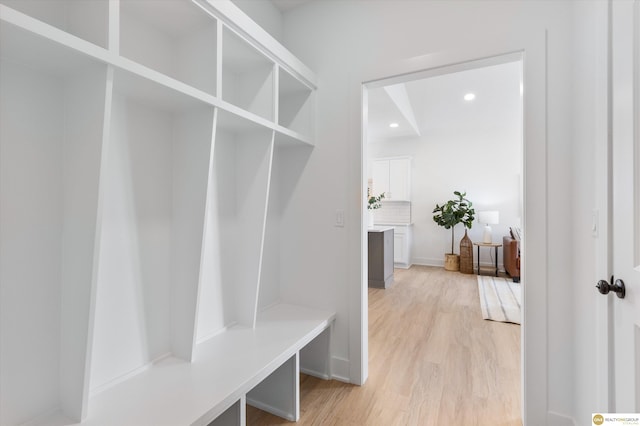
(394, 125)
(469, 97)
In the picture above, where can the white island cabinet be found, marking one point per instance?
(142, 144)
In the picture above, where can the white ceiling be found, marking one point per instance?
(438, 102)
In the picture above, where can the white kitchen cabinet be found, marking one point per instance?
(380, 177)
(393, 177)
(402, 246)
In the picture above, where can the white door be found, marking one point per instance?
(626, 204)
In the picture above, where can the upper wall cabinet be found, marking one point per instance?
(393, 177)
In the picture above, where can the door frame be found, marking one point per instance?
(534, 336)
(605, 376)
(603, 220)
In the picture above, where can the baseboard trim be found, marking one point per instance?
(126, 376)
(213, 334)
(556, 419)
(318, 374)
(340, 369)
(425, 261)
(53, 416)
(271, 409)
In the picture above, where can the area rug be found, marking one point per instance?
(500, 299)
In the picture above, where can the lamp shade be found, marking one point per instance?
(489, 217)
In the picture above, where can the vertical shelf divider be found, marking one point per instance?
(264, 226)
(276, 93)
(235, 224)
(207, 230)
(86, 102)
(254, 159)
(108, 108)
(114, 27)
(279, 393)
(191, 164)
(219, 46)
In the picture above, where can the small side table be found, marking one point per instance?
(495, 246)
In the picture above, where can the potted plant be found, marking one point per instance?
(453, 212)
(374, 203)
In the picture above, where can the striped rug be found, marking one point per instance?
(500, 299)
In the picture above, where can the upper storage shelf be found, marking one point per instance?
(247, 76)
(208, 50)
(294, 104)
(88, 20)
(172, 37)
(283, 94)
(229, 14)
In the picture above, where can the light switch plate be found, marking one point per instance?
(339, 218)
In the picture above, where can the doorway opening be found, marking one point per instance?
(425, 135)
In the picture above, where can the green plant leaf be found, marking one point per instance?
(455, 211)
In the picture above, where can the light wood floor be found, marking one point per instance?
(433, 360)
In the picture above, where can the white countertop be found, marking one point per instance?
(379, 228)
(392, 224)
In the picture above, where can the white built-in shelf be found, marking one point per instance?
(295, 104)
(138, 145)
(247, 76)
(172, 37)
(234, 18)
(167, 97)
(236, 122)
(87, 20)
(288, 137)
(37, 43)
(225, 367)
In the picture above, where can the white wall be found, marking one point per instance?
(480, 157)
(349, 42)
(31, 226)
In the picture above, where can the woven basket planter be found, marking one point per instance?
(466, 254)
(451, 262)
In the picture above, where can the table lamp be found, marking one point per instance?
(489, 217)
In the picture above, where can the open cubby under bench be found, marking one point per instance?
(258, 366)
